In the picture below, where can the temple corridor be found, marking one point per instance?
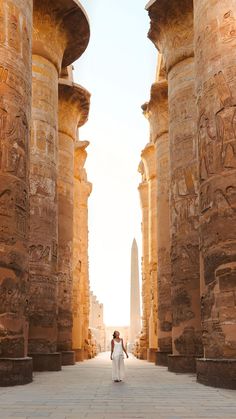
(85, 390)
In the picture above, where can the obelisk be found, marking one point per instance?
(135, 317)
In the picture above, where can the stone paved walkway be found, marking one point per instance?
(86, 391)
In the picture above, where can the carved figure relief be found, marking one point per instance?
(39, 253)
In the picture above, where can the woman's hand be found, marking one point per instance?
(127, 355)
(111, 357)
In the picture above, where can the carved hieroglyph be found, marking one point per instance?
(81, 300)
(149, 158)
(15, 99)
(156, 112)
(215, 43)
(172, 32)
(73, 113)
(60, 36)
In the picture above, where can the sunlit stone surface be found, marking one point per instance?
(172, 33)
(215, 41)
(15, 100)
(82, 190)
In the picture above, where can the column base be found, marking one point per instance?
(46, 362)
(79, 355)
(15, 371)
(67, 358)
(143, 355)
(182, 364)
(151, 355)
(162, 358)
(217, 372)
(86, 355)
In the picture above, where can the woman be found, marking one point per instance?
(117, 357)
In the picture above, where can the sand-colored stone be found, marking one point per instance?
(135, 314)
(172, 33)
(73, 113)
(81, 302)
(149, 158)
(156, 111)
(15, 99)
(215, 43)
(96, 323)
(56, 43)
(143, 343)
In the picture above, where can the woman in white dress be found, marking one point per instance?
(117, 357)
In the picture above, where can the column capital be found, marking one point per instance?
(61, 31)
(156, 110)
(80, 159)
(149, 159)
(171, 29)
(74, 103)
(143, 193)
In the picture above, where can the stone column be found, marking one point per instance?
(56, 44)
(215, 43)
(172, 33)
(15, 101)
(156, 112)
(144, 338)
(135, 315)
(73, 113)
(149, 158)
(82, 190)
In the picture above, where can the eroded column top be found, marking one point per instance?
(171, 29)
(61, 31)
(156, 110)
(149, 159)
(74, 104)
(80, 159)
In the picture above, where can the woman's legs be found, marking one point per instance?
(115, 368)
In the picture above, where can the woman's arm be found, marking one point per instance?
(124, 348)
(112, 348)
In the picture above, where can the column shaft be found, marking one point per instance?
(157, 113)
(215, 28)
(82, 190)
(172, 32)
(53, 46)
(15, 101)
(149, 159)
(144, 338)
(73, 113)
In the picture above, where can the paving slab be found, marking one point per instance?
(86, 391)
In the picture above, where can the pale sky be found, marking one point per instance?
(118, 69)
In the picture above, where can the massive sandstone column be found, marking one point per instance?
(144, 337)
(135, 315)
(156, 112)
(82, 190)
(149, 158)
(172, 33)
(73, 113)
(215, 44)
(60, 36)
(15, 101)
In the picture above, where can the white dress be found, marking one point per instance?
(118, 365)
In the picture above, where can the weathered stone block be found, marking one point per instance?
(217, 372)
(15, 371)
